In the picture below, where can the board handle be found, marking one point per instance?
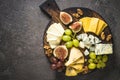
(51, 8)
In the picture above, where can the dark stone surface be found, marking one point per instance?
(22, 25)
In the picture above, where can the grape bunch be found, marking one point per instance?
(56, 64)
(97, 61)
(69, 39)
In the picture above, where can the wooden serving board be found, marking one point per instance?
(52, 10)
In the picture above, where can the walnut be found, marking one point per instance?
(103, 36)
(46, 47)
(85, 70)
(49, 52)
(79, 11)
(76, 15)
(109, 37)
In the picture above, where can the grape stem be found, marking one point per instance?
(74, 35)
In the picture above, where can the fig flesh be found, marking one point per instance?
(60, 52)
(76, 27)
(65, 18)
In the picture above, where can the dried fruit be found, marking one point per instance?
(61, 52)
(65, 18)
(76, 27)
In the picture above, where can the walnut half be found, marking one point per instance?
(109, 37)
(103, 36)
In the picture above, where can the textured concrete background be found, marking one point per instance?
(22, 26)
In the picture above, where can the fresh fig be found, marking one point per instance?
(76, 27)
(60, 52)
(65, 18)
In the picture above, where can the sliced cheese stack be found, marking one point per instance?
(75, 63)
(54, 34)
(91, 24)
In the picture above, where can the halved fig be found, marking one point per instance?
(60, 52)
(76, 27)
(65, 18)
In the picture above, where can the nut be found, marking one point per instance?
(85, 70)
(103, 36)
(46, 47)
(76, 15)
(49, 52)
(109, 37)
(79, 11)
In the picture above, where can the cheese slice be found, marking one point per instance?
(101, 26)
(93, 25)
(59, 28)
(79, 61)
(75, 54)
(70, 71)
(85, 22)
(77, 66)
(103, 49)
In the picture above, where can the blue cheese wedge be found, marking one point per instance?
(103, 49)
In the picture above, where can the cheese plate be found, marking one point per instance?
(76, 35)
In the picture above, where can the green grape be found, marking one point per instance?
(105, 58)
(103, 64)
(99, 61)
(90, 60)
(92, 66)
(95, 60)
(99, 57)
(76, 43)
(92, 55)
(69, 44)
(66, 38)
(68, 32)
(98, 65)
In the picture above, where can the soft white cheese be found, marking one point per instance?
(54, 34)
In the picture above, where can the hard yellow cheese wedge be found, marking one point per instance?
(93, 25)
(70, 72)
(77, 66)
(101, 26)
(85, 22)
(79, 61)
(75, 54)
